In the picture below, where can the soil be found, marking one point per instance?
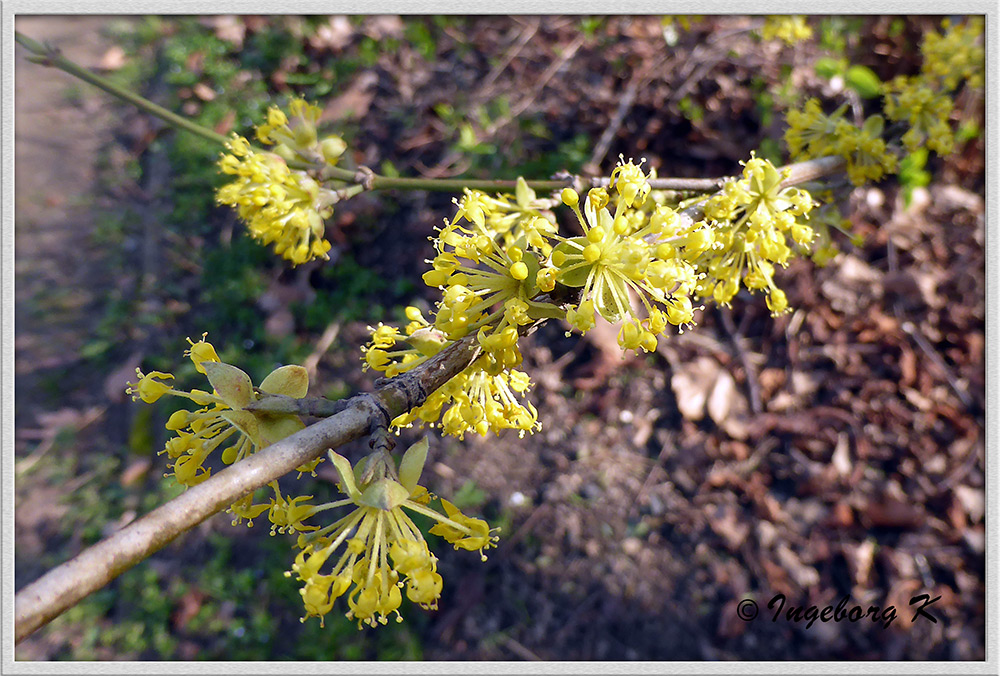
(61, 127)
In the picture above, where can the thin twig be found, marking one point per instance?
(322, 345)
(628, 98)
(527, 32)
(752, 378)
(371, 181)
(911, 329)
(520, 107)
(49, 56)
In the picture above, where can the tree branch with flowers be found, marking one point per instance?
(643, 252)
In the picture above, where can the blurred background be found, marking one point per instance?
(837, 450)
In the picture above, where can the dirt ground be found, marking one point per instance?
(837, 451)
(60, 128)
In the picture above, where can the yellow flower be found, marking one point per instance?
(624, 253)
(927, 113)
(286, 516)
(476, 272)
(756, 218)
(425, 341)
(382, 548)
(477, 401)
(510, 218)
(222, 416)
(149, 387)
(789, 29)
(488, 279)
(811, 134)
(200, 352)
(280, 206)
(462, 531)
(957, 55)
(628, 179)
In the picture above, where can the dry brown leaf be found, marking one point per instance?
(841, 458)
(228, 28)
(805, 576)
(859, 559)
(113, 59)
(354, 101)
(692, 382)
(854, 282)
(135, 472)
(722, 396)
(333, 35)
(187, 607)
(383, 26)
(204, 92)
(892, 512)
(225, 125)
(727, 525)
(973, 500)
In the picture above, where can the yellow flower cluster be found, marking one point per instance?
(639, 267)
(956, 56)
(811, 133)
(755, 217)
(474, 400)
(425, 341)
(926, 111)
(512, 217)
(629, 252)
(222, 417)
(383, 549)
(789, 29)
(280, 205)
(476, 273)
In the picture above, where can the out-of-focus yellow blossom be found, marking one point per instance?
(789, 29)
(222, 417)
(383, 550)
(824, 219)
(685, 21)
(811, 134)
(298, 138)
(630, 251)
(810, 131)
(755, 218)
(957, 55)
(927, 112)
(511, 218)
(280, 205)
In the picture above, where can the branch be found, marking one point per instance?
(66, 585)
(50, 56)
(812, 170)
(372, 181)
